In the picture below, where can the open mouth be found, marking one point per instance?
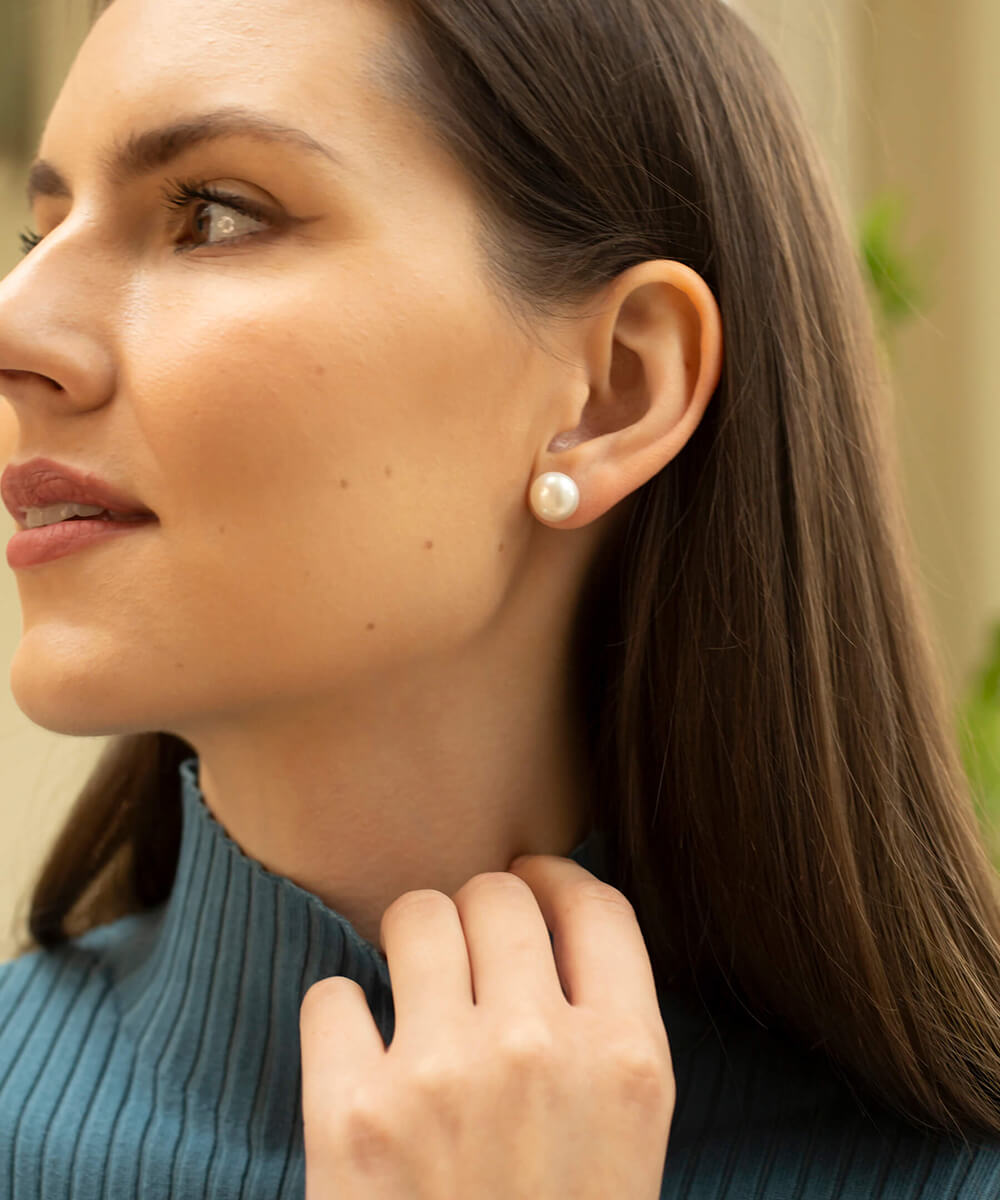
(55, 518)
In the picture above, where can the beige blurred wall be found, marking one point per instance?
(905, 97)
(935, 131)
(900, 94)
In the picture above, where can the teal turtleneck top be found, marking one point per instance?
(158, 1056)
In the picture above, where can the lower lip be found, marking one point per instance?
(33, 546)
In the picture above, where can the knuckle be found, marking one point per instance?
(526, 1046)
(594, 891)
(324, 991)
(420, 900)
(489, 881)
(643, 1075)
(365, 1130)
(437, 1074)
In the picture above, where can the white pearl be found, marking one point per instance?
(554, 496)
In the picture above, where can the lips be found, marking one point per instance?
(42, 481)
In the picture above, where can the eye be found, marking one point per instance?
(200, 196)
(182, 194)
(29, 241)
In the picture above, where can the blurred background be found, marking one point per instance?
(904, 97)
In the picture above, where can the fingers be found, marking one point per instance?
(490, 945)
(487, 944)
(603, 960)
(339, 1041)
(508, 945)
(425, 949)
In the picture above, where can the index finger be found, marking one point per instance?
(599, 948)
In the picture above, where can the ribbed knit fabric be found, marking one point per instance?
(158, 1056)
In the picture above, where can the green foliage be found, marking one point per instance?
(979, 732)
(890, 271)
(898, 297)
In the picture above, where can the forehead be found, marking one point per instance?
(146, 59)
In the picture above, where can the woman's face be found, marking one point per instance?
(333, 416)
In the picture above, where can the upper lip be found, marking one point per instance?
(41, 482)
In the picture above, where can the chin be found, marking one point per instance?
(77, 704)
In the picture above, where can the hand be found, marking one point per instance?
(518, 1070)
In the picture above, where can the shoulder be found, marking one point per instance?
(759, 1113)
(979, 1171)
(39, 993)
(59, 1014)
(45, 999)
(49, 997)
(34, 977)
(834, 1149)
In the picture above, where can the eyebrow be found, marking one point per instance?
(142, 153)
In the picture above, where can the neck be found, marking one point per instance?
(411, 785)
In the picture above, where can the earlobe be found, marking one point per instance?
(655, 359)
(555, 497)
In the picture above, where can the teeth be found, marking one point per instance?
(34, 518)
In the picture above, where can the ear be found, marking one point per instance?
(652, 358)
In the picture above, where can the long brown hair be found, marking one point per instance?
(776, 768)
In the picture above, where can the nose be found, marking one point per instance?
(55, 348)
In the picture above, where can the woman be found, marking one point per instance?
(403, 325)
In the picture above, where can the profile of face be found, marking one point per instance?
(309, 379)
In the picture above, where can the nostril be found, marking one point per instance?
(12, 376)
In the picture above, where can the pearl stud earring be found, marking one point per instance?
(554, 496)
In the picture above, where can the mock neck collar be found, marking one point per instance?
(228, 957)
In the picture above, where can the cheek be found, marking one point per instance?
(330, 487)
(8, 438)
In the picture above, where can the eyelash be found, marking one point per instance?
(180, 194)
